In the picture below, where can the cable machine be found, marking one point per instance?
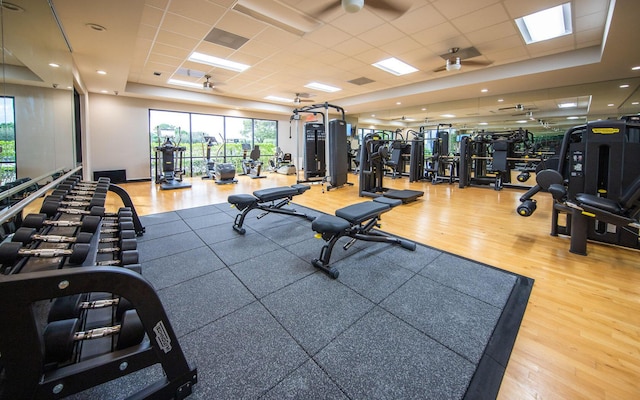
(320, 142)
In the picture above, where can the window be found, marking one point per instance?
(213, 137)
(8, 171)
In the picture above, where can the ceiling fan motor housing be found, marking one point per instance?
(352, 6)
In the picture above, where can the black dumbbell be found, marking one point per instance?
(72, 197)
(60, 337)
(51, 208)
(123, 245)
(121, 226)
(68, 307)
(122, 234)
(66, 188)
(11, 251)
(125, 258)
(25, 235)
(89, 223)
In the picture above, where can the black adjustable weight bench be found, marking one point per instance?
(265, 200)
(357, 222)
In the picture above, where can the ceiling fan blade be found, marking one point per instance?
(476, 63)
(394, 10)
(440, 69)
(329, 7)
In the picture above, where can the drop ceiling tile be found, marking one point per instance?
(499, 45)
(587, 7)
(401, 46)
(303, 47)
(436, 34)
(494, 32)
(147, 32)
(152, 16)
(519, 8)
(176, 39)
(213, 49)
(157, 3)
(165, 60)
(455, 8)
(382, 34)
(482, 18)
(259, 49)
(172, 51)
(587, 38)
(241, 24)
(352, 47)
(587, 22)
(198, 10)
(276, 36)
(327, 36)
(372, 56)
(416, 19)
(185, 26)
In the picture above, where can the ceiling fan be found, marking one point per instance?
(302, 98)
(352, 6)
(209, 85)
(455, 58)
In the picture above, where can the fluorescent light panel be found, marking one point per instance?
(184, 83)
(567, 105)
(322, 87)
(546, 24)
(217, 62)
(394, 66)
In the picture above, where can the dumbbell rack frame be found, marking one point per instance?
(23, 353)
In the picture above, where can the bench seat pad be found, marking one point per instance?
(330, 224)
(360, 212)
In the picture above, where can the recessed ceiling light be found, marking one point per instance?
(423, 109)
(635, 103)
(573, 117)
(500, 100)
(484, 90)
(522, 121)
(322, 87)
(184, 83)
(567, 105)
(546, 24)
(398, 103)
(373, 115)
(624, 86)
(610, 105)
(54, 65)
(276, 98)
(448, 116)
(217, 62)
(483, 123)
(101, 72)
(636, 68)
(394, 66)
(104, 91)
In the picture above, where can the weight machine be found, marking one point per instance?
(489, 157)
(320, 142)
(596, 185)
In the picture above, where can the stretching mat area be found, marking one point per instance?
(259, 321)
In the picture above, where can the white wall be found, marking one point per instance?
(119, 131)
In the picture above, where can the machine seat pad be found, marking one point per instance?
(405, 195)
(301, 188)
(387, 200)
(360, 212)
(330, 224)
(242, 201)
(599, 202)
(276, 193)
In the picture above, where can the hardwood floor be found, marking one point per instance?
(580, 337)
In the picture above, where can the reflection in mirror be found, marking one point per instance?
(36, 125)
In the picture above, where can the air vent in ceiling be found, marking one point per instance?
(226, 39)
(192, 73)
(361, 81)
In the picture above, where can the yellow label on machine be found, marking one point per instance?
(606, 131)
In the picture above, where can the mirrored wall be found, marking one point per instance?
(36, 89)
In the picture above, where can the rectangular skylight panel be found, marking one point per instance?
(394, 66)
(184, 83)
(322, 87)
(217, 62)
(546, 24)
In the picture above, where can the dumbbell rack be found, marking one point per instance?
(27, 290)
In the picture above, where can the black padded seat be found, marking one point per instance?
(275, 193)
(330, 224)
(406, 195)
(601, 203)
(242, 201)
(360, 212)
(387, 200)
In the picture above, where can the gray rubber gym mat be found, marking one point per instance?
(259, 321)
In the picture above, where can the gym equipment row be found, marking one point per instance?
(489, 157)
(169, 158)
(374, 159)
(221, 173)
(268, 200)
(356, 221)
(596, 185)
(76, 310)
(251, 166)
